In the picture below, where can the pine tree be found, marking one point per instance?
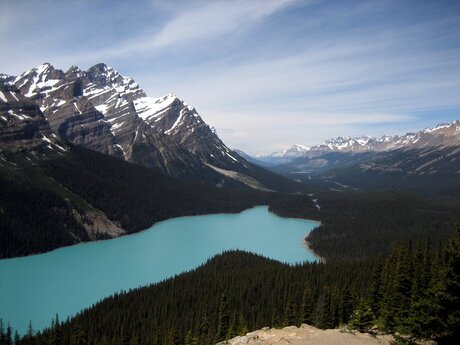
(191, 339)
(306, 314)
(290, 317)
(17, 338)
(363, 318)
(375, 292)
(29, 338)
(448, 293)
(242, 325)
(346, 305)
(54, 332)
(223, 322)
(2, 333)
(78, 336)
(325, 319)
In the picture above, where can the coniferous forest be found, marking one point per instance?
(389, 264)
(39, 200)
(413, 290)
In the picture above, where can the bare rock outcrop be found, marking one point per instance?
(308, 335)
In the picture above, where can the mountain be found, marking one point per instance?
(446, 134)
(432, 170)
(105, 111)
(23, 126)
(84, 195)
(296, 151)
(425, 170)
(68, 141)
(443, 134)
(320, 162)
(344, 152)
(253, 160)
(283, 156)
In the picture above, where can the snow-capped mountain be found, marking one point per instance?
(283, 155)
(108, 112)
(296, 151)
(443, 134)
(23, 126)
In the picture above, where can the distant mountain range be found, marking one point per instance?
(447, 134)
(426, 161)
(105, 111)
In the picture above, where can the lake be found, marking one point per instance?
(66, 280)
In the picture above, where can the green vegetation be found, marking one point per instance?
(413, 290)
(39, 199)
(33, 218)
(374, 276)
(361, 225)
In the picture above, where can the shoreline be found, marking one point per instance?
(167, 219)
(308, 245)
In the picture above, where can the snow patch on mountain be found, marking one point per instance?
(148, 107)
(440, 135)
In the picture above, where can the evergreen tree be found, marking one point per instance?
(306, 314)
(17, 338)
(363, 318)
(448, 293)
(191, 339)
(78, 336)
(223, 321)
(9, 335)
(29, 337)
(2, 333)
(290, 314)
(325, 318)
(346, 305)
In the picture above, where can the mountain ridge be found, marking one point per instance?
(107, 112)
(442, 134)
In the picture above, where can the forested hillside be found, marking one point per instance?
(48, 203)
(413, 290)
(361, 225)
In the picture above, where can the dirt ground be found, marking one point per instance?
(308, 335)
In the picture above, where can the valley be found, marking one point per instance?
(87, 156)
(169, 248)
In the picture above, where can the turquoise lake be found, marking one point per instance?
(66, 280)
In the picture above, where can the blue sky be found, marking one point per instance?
(267, 73)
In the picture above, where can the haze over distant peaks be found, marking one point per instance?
(445, 134)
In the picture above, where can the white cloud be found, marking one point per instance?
(266, 72)
(189, 25)
(256, 130)
(215, 19)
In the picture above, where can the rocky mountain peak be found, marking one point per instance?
(73, 72)
(296, 151)
(40, 79)
(103, 75)
(5, 78)
(446, 129)
(105, 111)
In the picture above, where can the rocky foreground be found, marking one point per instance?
(308, 335)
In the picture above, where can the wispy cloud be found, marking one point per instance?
(215, 19)
(187, 26)
(264, 73)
